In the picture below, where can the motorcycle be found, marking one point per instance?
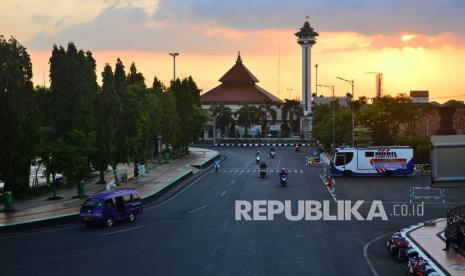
(297, 148)
(217, 167)
(263, 172)
(257, 159)
(272, 154)
(283, 180)
(417, 266)
(399, 247)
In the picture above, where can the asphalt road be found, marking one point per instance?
(194, 232)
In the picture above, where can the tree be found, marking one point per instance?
(246, 116)
(120, 142)
(158, 87)
(191, 116)
(323, 128)
(169, 121)
(107, 113)
(223, 116)
(138, 120)
(19, 118)
(291, 111)
(265, 113)
(73, 90)
(134, 77)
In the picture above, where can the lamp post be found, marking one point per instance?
(174, 55)
(351, 82)
(334, 112)
(316, 80)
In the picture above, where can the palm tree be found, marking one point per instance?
(246, 116)
(223, 116)
(293, 110)
(265, 111)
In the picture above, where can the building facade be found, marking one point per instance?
(239, 87)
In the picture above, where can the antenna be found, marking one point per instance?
(279, 65)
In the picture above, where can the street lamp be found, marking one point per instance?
(316, 80)
(174, 55)
(351, 82)
(334, 120)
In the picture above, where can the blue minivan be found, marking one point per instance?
(106, 208)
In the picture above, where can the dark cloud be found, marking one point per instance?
(367, 17)
(181, 25)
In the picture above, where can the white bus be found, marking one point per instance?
(376, 160)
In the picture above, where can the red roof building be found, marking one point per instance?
(238, 86)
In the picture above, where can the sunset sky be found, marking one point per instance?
(416, 44)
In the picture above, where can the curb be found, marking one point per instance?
(65, 218)
(405, 232)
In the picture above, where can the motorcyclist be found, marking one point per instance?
(297, 147)
(272, 151)
(283, 172)
(257, 154)
(263, 166)
(217, 163)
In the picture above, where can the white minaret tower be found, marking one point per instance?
(306, 37)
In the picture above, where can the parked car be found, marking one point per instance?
(108, 207)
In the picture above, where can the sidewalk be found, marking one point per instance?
(157, 179)
(430, 241)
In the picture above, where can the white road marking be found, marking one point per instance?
(223, 193)
(232, 181)
(365, 254)
(197, 209)
(329, 190)
(301, 171)
(248, 171)
(124, 230)
(230, 171)
(241, 172)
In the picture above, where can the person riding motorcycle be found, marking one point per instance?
(257, 157)
(283, 172)
(217, 163)
(262, 169)
(272, 152)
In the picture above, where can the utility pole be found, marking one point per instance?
(351, 82)
(316, 80)
(174, 55)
